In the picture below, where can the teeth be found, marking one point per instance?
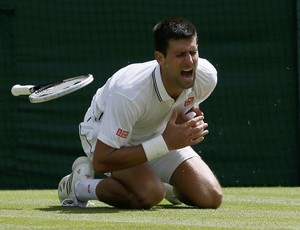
(187, 70)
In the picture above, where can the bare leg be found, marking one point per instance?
(136, 187)
(195, 184)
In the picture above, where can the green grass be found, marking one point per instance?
(242, 208)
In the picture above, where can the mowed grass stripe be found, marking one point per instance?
(243, 208)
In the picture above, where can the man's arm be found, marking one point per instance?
(109, 159)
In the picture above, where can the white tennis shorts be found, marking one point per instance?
(166, 165)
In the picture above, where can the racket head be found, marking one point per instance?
(59, 89)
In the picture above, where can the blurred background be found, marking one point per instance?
(253, 114)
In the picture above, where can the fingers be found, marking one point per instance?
(197, 111)
(181, 134)
(198, 137)
(199, 134)
(174, 117)
(194, 122)
(195, 130)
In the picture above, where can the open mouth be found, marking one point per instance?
(187, 73)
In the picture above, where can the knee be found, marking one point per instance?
(148, 197)
(212, 196)
(215, 198)
(208, 198)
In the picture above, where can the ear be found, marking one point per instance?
(159, 57)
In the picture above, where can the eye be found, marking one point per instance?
(180, 55)
(193, 52)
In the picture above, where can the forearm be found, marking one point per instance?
(108, 159)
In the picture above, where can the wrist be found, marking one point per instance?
(155, 148)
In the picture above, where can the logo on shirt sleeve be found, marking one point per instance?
(122, 133)
(189, 101)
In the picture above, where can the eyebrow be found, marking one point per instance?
(186, 51)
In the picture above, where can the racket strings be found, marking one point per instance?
(59, 89)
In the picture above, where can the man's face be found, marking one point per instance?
(179, 65)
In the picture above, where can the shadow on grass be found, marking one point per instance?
(79, 209)
(108, 209)
(171, 206)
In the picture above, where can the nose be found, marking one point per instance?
(189, 59)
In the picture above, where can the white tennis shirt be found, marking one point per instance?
(134, 106)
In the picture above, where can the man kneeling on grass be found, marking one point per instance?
(140, 127)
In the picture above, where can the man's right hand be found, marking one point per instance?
(188, 133)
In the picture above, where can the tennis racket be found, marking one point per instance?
(50, 91)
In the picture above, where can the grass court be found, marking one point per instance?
(242, 208)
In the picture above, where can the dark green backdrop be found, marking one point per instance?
(253, 113)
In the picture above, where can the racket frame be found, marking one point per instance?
(37, 97)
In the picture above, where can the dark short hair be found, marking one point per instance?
(172, 28)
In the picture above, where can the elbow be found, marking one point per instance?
(213, 81)
(102, 158)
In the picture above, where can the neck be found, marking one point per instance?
(171, 90)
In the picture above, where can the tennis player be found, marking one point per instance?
(139, 130)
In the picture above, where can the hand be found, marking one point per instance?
(188, 133)
(182, 117)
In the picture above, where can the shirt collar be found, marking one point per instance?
(159, 86)
(160, 89)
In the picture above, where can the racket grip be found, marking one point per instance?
(18, 90)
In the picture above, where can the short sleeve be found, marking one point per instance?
(118, 119)
(206, 79)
